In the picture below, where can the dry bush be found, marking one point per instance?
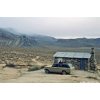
(33, 68)
(91, 77)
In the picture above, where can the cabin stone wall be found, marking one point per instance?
(78, 63)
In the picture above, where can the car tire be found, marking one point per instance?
(64, 72)
(46, 71)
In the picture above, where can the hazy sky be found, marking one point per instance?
(59, 27)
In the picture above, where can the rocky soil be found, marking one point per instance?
(14, 65)
(40, 77)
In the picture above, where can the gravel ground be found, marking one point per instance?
(40, 77)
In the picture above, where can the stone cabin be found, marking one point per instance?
(80, 60)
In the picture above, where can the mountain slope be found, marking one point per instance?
(79, 42)
(11, 38)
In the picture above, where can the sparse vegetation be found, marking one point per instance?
(24, 60)
(10, 65)
(91, 77)
(35, 67)
(23, 56)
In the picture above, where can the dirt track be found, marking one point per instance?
(40, 77)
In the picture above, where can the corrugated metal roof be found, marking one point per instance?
(72, 54)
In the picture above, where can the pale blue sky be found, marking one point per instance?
(59, 27)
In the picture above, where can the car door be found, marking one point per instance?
(55, 68)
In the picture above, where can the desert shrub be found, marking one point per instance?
(43, 66)
(74, 76)
(33, 68)
(90, 77)
(11, 65)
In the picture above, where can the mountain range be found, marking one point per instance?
(11, 38)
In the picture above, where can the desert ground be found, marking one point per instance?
(15, 62)
(40, 77)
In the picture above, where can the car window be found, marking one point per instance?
(65, 65)
(61, 65)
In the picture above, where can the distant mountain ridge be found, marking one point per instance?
(11, 38)
(80, 42)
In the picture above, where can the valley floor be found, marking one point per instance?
(23, 58)
(40, 77)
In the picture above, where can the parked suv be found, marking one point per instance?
(60, 68)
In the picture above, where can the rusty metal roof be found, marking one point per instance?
(72, 54)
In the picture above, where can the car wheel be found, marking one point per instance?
(64, 72)
(46, 71)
